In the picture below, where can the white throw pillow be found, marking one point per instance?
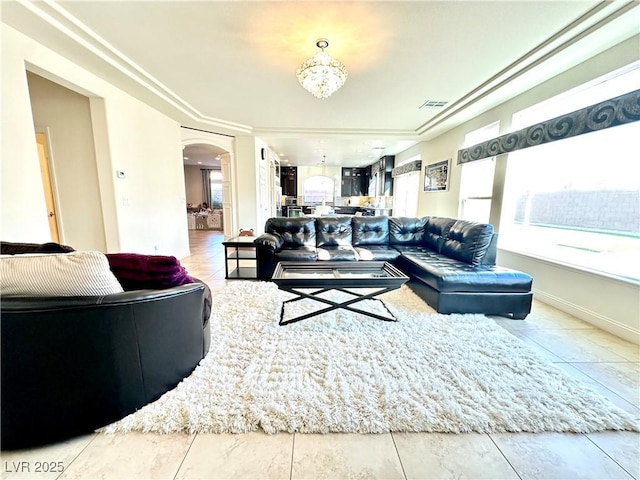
(57, 275)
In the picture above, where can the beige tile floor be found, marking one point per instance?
(597, 358)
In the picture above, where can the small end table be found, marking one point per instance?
(240, 251)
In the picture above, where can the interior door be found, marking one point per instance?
(47, 185)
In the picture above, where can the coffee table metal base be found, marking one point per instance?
(363, 280)
(314, 295)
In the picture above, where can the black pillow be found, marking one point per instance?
(11, 248)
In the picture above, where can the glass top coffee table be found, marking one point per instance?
(320, 277)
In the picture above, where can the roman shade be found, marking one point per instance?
(610, 113)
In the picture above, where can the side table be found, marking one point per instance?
(241, 253)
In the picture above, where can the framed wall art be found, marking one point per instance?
(436, 176)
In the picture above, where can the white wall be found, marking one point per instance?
(67, 118)
(246, 184)
(146, 145)
(23, 209)
(142, 213)
(609, 303)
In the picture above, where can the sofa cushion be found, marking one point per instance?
(295, 232)
(377, 253)
(297, 254)
(72, 274)
(446, 274)
(370, 231)
(138, 272)
(337, 253)
(467, 241)
(11, 248)
(406, 230)
(333, 231)
(436, 230)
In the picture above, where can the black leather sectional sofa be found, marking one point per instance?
(451, 262)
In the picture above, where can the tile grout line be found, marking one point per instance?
(293, 447)
(504, 456)
(606, 387)
(624, 360)
(185, 456)
(95, 435)
(398, 454)
(609, 456)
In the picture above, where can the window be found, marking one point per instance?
(215, 177)
(317, 189)
(406, 189)
(577, 201)
(476, 179)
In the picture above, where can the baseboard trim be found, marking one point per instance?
(594, 318)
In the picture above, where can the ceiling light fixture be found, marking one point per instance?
(322, 74)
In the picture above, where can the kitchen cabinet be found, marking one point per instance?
(289, 181)
(385, 185)
(355, 182)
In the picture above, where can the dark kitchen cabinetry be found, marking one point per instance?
(381, 183)
(385, 178)
(289, 181)
(355, 182)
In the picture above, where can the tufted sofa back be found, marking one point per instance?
(436, 231)
(470, 242)
(370, 231)
(334, 231)
(467, 241)
(294, 232)
(407, 230)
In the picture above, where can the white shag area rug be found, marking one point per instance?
(345, 372)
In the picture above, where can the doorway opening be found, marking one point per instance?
(204, 183)
(47, 185)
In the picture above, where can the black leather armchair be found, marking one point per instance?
(74, 364)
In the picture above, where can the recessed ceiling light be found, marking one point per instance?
(186, 158)
(199, 163)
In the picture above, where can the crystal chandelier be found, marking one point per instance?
(322, 74)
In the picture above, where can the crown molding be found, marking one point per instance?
(337, 132)
(478, 100)
(595, 19)
(60, 19)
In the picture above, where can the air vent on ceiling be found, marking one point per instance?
(433, 104)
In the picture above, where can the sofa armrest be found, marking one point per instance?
(267, 245)
(26, 304)
(491, 253)
(269, 241)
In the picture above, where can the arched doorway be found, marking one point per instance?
(215, 153)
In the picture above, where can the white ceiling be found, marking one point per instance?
(229, 66)
(204, 155)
